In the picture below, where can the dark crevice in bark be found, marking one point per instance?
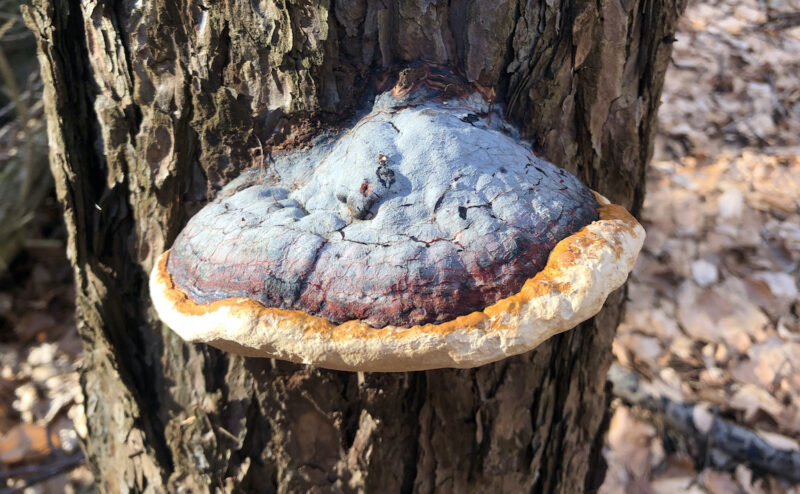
(648, 24)
(224, 62)
(503, 84)
(457, 22)
(260, 475)
(352, 394)
(119, 18)
(596, 476)
(551, 466)
(416, 396)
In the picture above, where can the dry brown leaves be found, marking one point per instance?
(41, 403)
(733, 80)
(713, 316)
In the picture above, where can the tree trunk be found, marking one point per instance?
(154, 104)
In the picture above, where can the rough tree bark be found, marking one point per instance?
(154, 104)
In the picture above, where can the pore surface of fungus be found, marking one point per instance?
(414, 240)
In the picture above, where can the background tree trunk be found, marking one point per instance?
(154, 104)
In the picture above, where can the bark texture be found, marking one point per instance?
(154, 104)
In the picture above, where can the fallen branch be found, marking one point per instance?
(713, 437)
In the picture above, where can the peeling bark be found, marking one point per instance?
(153, 105)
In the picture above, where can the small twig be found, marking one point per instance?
(737, 442)
(26, 95)
(781, 22)
(225, 432)
(261, 160)
(39, 473)
(8, 76)
(22, 109)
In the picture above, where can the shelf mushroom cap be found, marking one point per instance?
(427, 236)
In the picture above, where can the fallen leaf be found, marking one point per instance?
(779, 441)
(24, 442)
(752, 399)
(719, 482)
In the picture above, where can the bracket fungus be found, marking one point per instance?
(428, 235)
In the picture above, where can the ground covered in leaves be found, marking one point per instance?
(714, 314)
(712, 318)
(41, 404)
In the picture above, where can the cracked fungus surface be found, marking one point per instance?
(419, 213)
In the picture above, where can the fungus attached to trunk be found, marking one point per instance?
(428, 235)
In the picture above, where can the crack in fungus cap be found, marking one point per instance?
(428, 235)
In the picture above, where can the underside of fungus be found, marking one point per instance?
(427, 235)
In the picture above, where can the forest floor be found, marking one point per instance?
(712, 318)
(714, 313)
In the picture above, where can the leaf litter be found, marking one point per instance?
(713, 317)
(41, 402)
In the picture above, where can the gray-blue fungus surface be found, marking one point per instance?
(419, 213)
